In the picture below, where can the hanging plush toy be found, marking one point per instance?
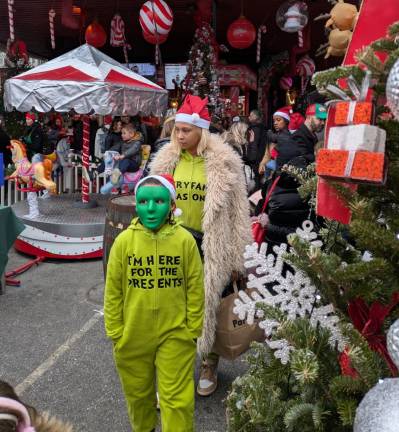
(17, 54)
(343, 16)
(117, 37)
(338, 42)
(291, 17)
(341, 19)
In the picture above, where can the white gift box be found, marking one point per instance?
(357, 138)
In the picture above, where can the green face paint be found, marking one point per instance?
(153, 204)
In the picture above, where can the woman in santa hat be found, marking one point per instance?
(281, 120)
(211, 192)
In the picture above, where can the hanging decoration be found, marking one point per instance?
(11, 19)
(95, 35)
(291, 17)
(241, 33)
(17, 54)
(117, 37)
(305, 68)
(342, 20)
(156, 20)
(286, 82)
(261, 30)
(156, 17)
(51, 16)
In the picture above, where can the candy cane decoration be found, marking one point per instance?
(11, 19)
(261, 30)
(51, 16)
(118, 38)
(85, 157)
(300, 39)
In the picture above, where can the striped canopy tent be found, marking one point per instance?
(89, 82)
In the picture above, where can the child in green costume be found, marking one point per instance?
(153, 310)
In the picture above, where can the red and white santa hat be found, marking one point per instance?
(194, 111)
(168, 182)
(296, 121)
(283, 112)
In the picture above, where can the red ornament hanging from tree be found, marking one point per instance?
(95, 35)
(241, 33)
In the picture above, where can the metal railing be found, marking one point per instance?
(68, 180)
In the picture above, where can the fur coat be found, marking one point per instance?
(226, 223)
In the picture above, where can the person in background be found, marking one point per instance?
(101, 137)
(129, 158)
(115, 133)
(140, 127)
(33, 137)
(77, 126)
(211, 192)
(164, 138)
(304, 139)
(16, 416)
(296, 120)
(216, 126)
(166, 132)
(258, 139)
(275, 139)
(4, 143)
(54, 128)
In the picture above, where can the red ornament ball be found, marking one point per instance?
(95, 35)
(241, 33)
(150, 38)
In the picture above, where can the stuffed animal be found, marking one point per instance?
(343, 16)
(338, 42)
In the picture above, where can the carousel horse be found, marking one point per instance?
(126, 182)
(31, 177)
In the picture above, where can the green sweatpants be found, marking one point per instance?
(171, 362)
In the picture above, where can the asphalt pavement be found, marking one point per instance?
(54, 350)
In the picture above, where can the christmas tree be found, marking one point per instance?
(202, 77)
(326, 307)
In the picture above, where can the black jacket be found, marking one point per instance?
(305, 140)
(4, 143)
(112, 139)
(34, 139)
(260, 141)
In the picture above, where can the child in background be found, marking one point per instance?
(130, 152)
(15, 416)
(153, 310)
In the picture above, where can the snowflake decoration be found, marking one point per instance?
(290, 291)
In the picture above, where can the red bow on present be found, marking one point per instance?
(369, 320)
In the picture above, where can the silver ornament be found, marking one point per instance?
(393, 342)
(392, 90)
(379, 409)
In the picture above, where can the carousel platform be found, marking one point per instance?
(63, 231)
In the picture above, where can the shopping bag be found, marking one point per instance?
(234, 336)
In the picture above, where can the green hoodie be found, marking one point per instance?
(153, 311)
(190, 180)
(154, 283)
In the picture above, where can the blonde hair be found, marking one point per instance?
(204, 139)
(167, 127)
(236, 135)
